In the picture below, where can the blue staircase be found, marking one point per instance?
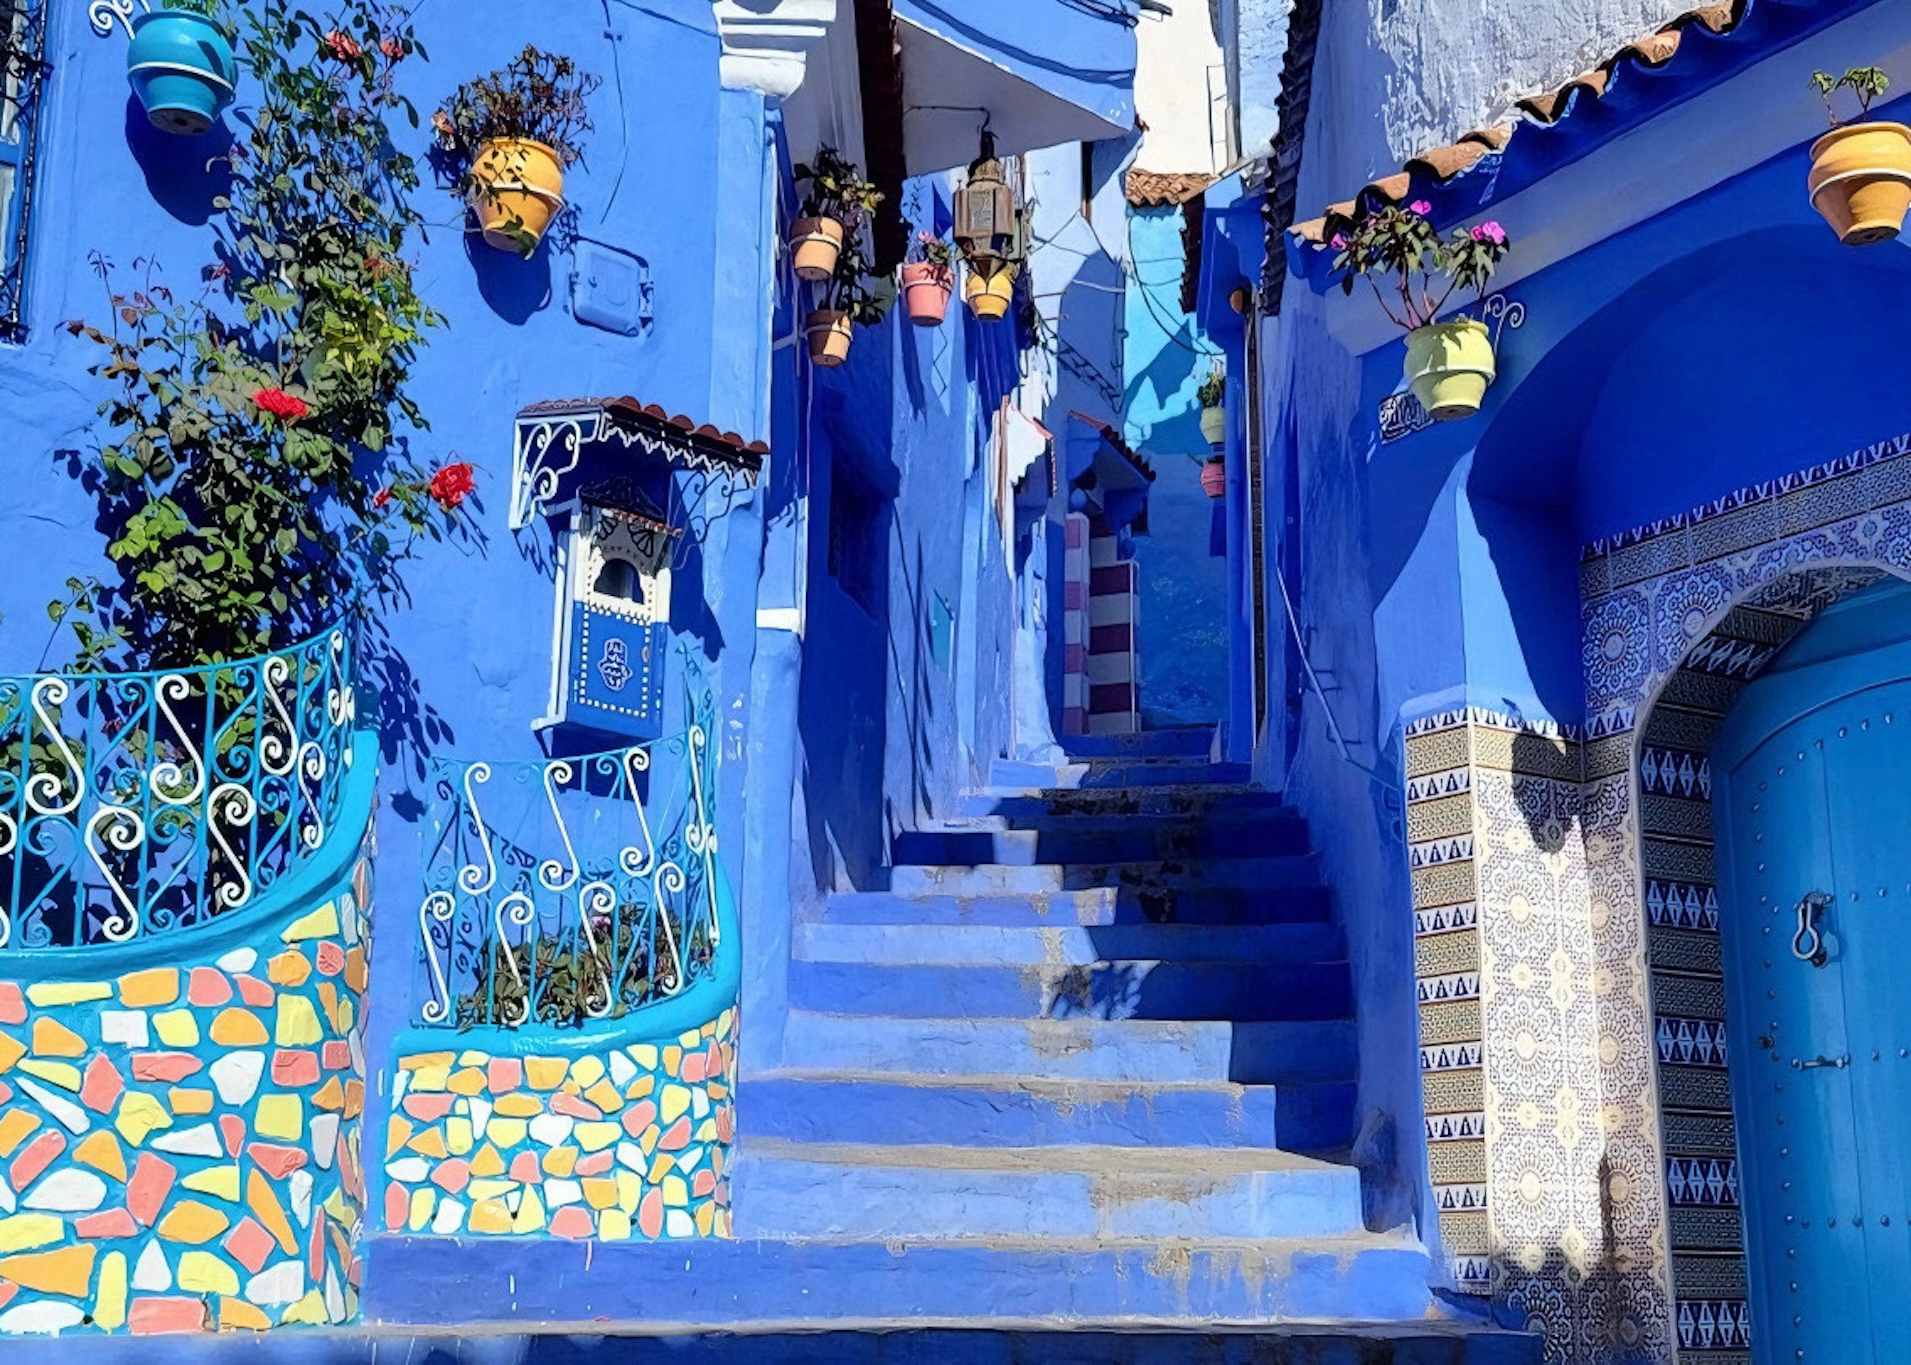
(1089, 1059)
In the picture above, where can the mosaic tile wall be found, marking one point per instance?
(630, 1143)
(1571, 1000)
(180, 1144)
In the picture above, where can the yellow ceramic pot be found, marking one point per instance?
(517, 189)
(989, 296)
(815, 243)
(830, 334)
(1214, 425)
(1861, 181)
(1449, 366)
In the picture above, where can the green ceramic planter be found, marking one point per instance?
(1449, 366)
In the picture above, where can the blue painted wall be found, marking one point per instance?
(1184, 641)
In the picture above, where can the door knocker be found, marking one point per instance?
(1808, 945)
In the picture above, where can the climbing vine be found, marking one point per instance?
(255, 476)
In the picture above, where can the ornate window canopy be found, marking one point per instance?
(557, 441)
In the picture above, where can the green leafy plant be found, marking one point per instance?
(243, 423)
(929, 249)
(835, 188)
(1866, 83)
(1214, 389)
(1423, 270)
(539, 96)
(853, 290)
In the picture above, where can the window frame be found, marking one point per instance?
(23, 72)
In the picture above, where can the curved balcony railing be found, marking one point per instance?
(569, 891)
(134, 804)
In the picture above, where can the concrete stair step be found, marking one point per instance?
(1063, 944)
(1014, 1111)
(1139, 877)
(1324, 1287)
(1268, 1053)
(1104, 989)
(1024, 801)
(1109, 839)
(1181, 741)
(921, 1192)
(1117, 772)
(1100, 906)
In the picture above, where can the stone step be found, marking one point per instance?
(892, 1341)
(750, 1285)
(1140, 877)
(1119, 988)
(1014, 1111)
(1064, 945)
(1278, 1053)
(1100, 906)
(1020, 802)
(926, 1193)
(1117, 772)
(1110, 839)
(1181, 741)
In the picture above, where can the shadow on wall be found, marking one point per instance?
(184, 175)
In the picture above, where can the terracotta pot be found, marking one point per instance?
(830, 334)
(926, 288)
(1449, 366)
(1861, 181)
(1214, 478)
(815, 243)
(517, 189)
(989, 296)
(1214, 425)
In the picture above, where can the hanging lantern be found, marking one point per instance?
(986, 219)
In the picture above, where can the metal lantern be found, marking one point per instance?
(986, 218)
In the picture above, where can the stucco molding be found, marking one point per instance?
(766, 43)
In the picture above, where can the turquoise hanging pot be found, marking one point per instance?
(182, 68)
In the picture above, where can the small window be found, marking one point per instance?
(618, 579)
(22, 69)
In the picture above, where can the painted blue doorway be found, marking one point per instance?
(1812, 805)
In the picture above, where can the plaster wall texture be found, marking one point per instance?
(1181, 92)
(181, 1121)
(1396, 77)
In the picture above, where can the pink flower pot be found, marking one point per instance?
(1214, 479)
(926, 288)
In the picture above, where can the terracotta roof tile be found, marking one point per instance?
(1164, 189)
(631, 409)
(1441, 164)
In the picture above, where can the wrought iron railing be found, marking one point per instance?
(134, 804)
(568, 891)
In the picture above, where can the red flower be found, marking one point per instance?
(344, 46)
(381, 498)
(451, 485)
(281, 404)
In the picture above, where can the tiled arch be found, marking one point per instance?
(1562, 887)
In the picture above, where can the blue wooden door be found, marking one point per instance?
(1814, 846)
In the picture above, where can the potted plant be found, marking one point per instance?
(989, 296)
(928, 279)
(836, 203)
(1860, 171)
(1212, 396)
(1214, 477)
(849, 300)
(181, 66)
(1449, 364)
(510, 135)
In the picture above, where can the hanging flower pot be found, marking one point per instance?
(1214, 425)
(517, 188)
(1860, 178)
(1449, 366)
(1861, 181)
(830, 333)
(1214, 478)
(926, 287)
(815, 244)
(989, 296)
(181, 68)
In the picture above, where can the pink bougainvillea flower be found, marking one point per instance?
(343, 46)
(1339, 241)
(393, 48)
(451, 485)
(282, 405)
(1490, 232)
(1421, 207)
